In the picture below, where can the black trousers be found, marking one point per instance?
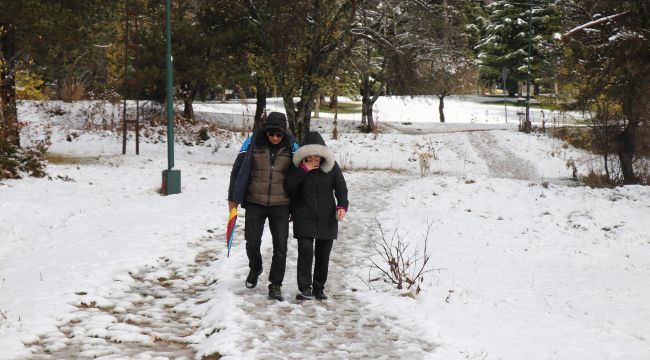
(308, 252)
(278, 216)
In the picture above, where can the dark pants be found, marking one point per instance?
(278, 216)
(306, 253)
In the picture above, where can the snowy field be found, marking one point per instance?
(525, 263)
(406, 114)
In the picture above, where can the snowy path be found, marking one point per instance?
(343, 327)
(501, 161)
(145, 315)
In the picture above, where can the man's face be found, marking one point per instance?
(274, 136)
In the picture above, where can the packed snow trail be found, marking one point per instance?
(501, 161)
(344, 326)
(146, 315)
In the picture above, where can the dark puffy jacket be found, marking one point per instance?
(267, 176)
(316, 194)
(254, 162)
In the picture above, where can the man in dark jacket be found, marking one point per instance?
(256, 182)
(320, 200)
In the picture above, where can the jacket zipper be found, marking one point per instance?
(316, 226)
(272, 158)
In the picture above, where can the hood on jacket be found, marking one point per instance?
(276, 121)
(313, 144)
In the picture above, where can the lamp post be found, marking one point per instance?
(527, 124)
(171, 178)
(504, 76)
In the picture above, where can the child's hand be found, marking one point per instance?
(311, 165)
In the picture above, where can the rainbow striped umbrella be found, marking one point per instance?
(230, 231)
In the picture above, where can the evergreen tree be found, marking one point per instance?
(512, 27)
(55, 38)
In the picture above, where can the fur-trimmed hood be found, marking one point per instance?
(314, 144)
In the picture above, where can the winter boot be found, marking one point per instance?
(275, 292)
(305, 294)
(251, 279)
(319, 294)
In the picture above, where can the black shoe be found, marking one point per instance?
(305, 294)
(251, 279)
(319, 294)
(275, 292)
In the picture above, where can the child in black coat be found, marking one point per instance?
(319, 200)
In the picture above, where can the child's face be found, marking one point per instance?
(313, 158)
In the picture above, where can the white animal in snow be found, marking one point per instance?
(425, 163)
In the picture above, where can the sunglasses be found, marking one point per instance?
(274, 134)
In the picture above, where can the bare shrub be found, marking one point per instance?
(73, 88)
(570, 164)
(99, 116)
(4, 321)
(402, 266)
(595, 180)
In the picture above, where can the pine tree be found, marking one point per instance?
(512, 27)
(52, 37)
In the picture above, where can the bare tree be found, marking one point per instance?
(606, 56)
(302, 43)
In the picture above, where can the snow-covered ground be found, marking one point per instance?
(524, 264)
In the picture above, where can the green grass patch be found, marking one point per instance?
(343, 108)
(543, 102)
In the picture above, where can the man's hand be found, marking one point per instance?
(232, 205)
(340, 214)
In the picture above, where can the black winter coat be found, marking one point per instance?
(313, 201)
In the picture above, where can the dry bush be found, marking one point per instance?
(4, 321)
(108, 95)
(594, 180)
(575, 136)
(98, 116)
(73, 88)
(400, 265)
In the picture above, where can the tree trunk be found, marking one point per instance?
(365, 100)
(303, 116)
(9, 130)
(367, 103)
(441, 107)
(260, 105)
(626, 143)
(290, 110)
(632, 99)
(188, 102)
(317, 106)
(188, 110)
(299, 115)
(371, 120)
(333, 100)
(367, 120)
